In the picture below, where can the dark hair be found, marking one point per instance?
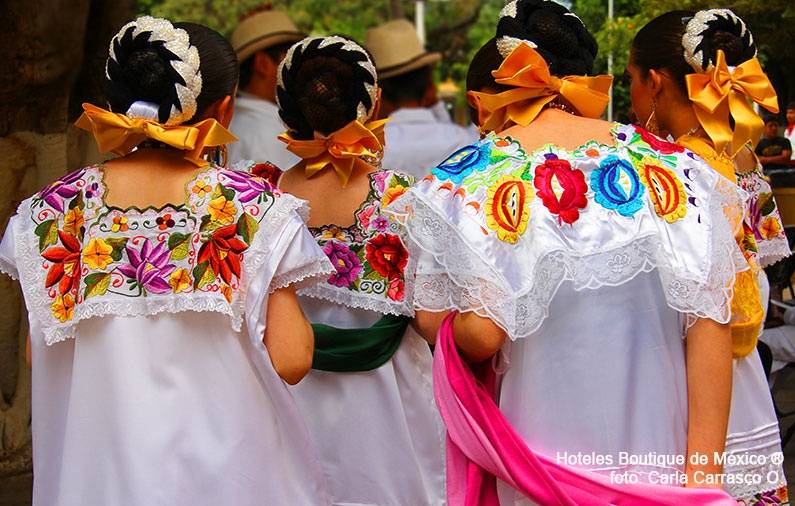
(772, 119)
(486, 60)
(321, 87)
(407, 87)
(142, 70)
(275, 53)
(561, 37)
(658, 45)
(791, 105)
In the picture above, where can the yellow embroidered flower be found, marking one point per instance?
(222, 210)
(392, 193)
(665, 189)
(73, 221)
(508, 207)
(227, 291)
(63, 307)
(333, 233)
(96, 254)
(179, 280)
(771, 228)
(201, 188)
(119, 224)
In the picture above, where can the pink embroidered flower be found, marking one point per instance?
(248, 187)
(380, 178)
(149, 267)
(396, 289)
(380, 223)
(365, 215)
(64, 188)
(345, 261)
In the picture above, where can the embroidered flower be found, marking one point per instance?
(221, 210)
(380, 178)
(380, 223)
(64, 188)
(96, 254)
(561, 188)
(119, 224)
(396, 290)
(268, 172)
(247, 186)
(616, 186)
(387, 255)
(665, 189)
(149, 267)
(771, 227)
(226, 290)
(63, 307)
(333, 234)
(345, 261)
(657, 144)
(73, 221)
(201, 188)
(508, 207)
(592, 152)
(391, 194)
(91, 190)
(223, 251)
(65, 269)
(365, 215)
(179, 280)
(164, 222)
(463, 162)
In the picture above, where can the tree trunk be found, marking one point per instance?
(396, 10)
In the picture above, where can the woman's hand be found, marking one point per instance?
(288, 336)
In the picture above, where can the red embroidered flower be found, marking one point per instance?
(387, 255)
(65, 269)
(164, 222)
(396, 290)
(268, 172)
(561, 188)
(657, 144)
(223, 252)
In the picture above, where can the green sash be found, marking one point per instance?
(350, 350)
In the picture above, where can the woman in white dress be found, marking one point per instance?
(672, 62)
(150, 281)
(604, 255)
(368, 401)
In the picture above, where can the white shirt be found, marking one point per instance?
(791, 137)
(417, 140)
(257, 124)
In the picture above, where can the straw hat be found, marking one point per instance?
(396, 49)
(261, 31)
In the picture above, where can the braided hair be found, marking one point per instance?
(324, 83)
(558, 35)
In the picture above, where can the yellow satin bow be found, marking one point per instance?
(533, 88)
(721, 91)
(117, 133)
(342, 150)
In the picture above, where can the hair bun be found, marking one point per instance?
(557, 34)
(716, 29)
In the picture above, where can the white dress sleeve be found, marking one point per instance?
(8, 257)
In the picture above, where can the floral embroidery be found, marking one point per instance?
(561, 188)
(665, 189)
(89, 250)
(463, 162)
(508, 207)
(387, 255)
(616, 186)
(777, 497)
(770, 228)
(345, 261)
(657, 144)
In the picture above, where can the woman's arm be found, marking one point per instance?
(477, 338)
(288, 336)
(709, 390)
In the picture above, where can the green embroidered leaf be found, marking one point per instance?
(77, 201)
(47, 232)
(217, 192)
(228, 193)
(118, 244)
(96, 284)
(178, 244)
(247, 226)
(203, 275)
(208, 225)
(766, 204)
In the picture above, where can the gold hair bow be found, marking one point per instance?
(533, 88)
(119, 134)
(721, 91)
(342, 149)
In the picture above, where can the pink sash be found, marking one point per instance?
(482, 446)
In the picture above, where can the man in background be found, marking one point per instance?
(418, 137)
(773, 150)
(789, 132)
(261, 42)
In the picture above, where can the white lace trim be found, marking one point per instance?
(306, 276)
(771, 252)
(9, 269)
(468, 283)
(359, 300)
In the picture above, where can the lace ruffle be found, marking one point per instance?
(460, 279)
(771, 252)
(360, 300)
(308, 275)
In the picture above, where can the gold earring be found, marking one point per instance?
(651, 123)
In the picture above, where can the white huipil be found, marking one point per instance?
(594, 261)
(169, 398)
(257, 125)
(378, 432)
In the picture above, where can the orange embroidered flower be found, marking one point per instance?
(665, 189)
(592, 152)
(179, 280)
(392, 193)
(508, 207)
(222, 210)
(96, 254)
(119, 224)
(63, 308)
(771, 228)
(65, 269)
(223, 251)
(201, 188)
(73, 221)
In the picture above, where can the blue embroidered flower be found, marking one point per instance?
(463, 162)
(616, 186)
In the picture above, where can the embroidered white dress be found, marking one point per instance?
(151, 385)
(594, 261)
(379, 433)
